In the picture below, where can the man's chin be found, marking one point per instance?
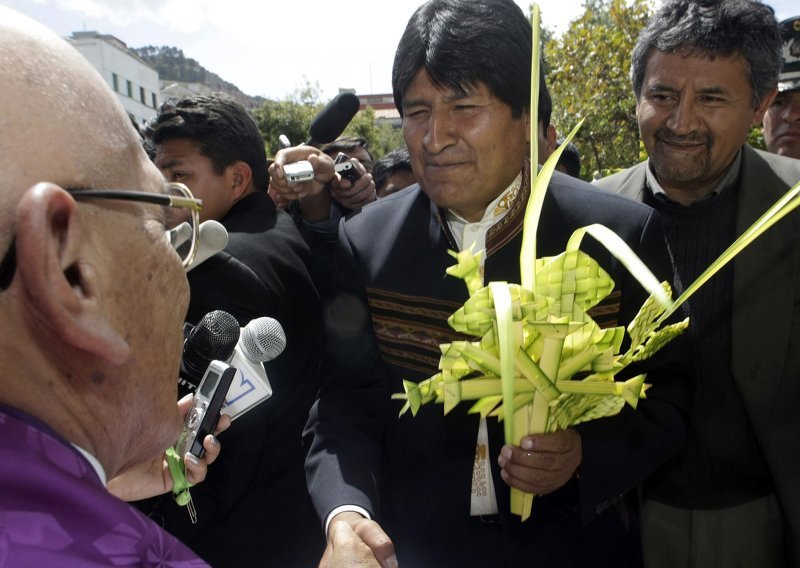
(678, 166)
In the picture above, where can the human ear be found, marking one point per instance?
(551, 136)
(761, 108)
(58, 273)
(242, 176)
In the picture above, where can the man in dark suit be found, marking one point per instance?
(435, 489)
(733, 496)
(211, 144)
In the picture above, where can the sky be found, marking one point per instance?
(272, 49)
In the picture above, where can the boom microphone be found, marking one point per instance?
(261, 341)
(331, 121)
(214, 337)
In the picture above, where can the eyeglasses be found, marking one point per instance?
(181, 221)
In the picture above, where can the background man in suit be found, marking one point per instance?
(92, 301)
(782, 119)
(733, 496)
(211, 144)
(462, 81)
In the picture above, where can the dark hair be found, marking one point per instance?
(345, 144)
(714, 28)
(464, 42)
(570, 158)
(398, 160)
(222, 129)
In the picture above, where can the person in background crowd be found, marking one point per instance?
(433, 490)
(570, 160)
(392, 172)
(93, 299)
(210, 143)
(353, 147)
(732, 497)
(782, 118)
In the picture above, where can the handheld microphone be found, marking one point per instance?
(213, 239)
(261, 340)
(331, 121)
(179, 235)
(214, 337)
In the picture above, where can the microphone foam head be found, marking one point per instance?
(263, 339)
(331, 121)
(213, 235)
(215, 335)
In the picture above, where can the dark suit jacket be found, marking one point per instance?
(766, 320)
(414, 474)
(253, 508)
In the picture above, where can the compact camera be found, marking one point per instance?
(346, 168)
(204, 413)
(299, 171)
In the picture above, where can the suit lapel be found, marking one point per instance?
(764, 281)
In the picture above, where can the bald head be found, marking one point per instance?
(59, 120)
(91, 315)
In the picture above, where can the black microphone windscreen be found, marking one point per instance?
(331, 121)
(214, 337)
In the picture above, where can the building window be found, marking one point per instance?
(141, 96)
(115, 82)
(130, 88)
(155, 103)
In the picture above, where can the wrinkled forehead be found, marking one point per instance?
(60, 122)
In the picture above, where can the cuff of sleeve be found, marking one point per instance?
(342, 509)
(329, 225)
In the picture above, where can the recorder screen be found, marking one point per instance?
(209, 382)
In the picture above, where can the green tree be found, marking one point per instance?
(587, 71)
(293, 117)
(381, 138)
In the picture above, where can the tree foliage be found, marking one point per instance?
(587, 71)
(293, 117)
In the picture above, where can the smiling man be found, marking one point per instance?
(433, 490)
(703, 73)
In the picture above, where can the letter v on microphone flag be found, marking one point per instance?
(249, 387)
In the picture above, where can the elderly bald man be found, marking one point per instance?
(92, 302)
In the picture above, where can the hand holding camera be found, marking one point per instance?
(346, 168)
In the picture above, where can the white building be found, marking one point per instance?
(134, 81)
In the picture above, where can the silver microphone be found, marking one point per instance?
(261, 340)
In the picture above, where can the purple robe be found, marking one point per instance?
(55, 511)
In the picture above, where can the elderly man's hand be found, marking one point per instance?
(543, 463)
(153, 478)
